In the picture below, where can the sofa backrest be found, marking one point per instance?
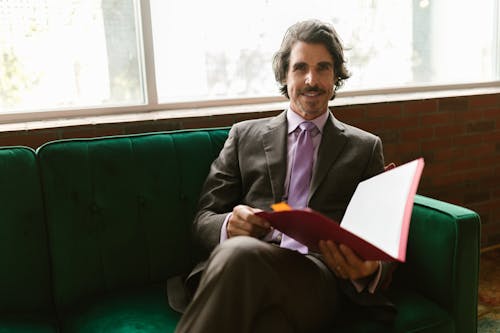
(119, 209)
(24, 259)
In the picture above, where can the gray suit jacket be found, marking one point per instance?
(251, 170)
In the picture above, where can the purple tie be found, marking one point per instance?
(300, 177)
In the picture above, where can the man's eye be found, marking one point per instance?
(324, 67)
(299, 67)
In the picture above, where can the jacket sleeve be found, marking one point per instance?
(221, 192)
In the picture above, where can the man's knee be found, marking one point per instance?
(239, 248)
(240, 254)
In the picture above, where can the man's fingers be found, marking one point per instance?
(351, 258)
(337, 255)
(333, 258)
(247, 214)
(327, 255)
(258, 221)
(344, 262)
(357, 267)
(244, 222)
(240, 224)
(236, 228)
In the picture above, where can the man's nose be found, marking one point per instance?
(311, 78)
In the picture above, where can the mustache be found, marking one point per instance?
(311, 89)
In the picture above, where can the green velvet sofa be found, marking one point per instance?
(90, 230)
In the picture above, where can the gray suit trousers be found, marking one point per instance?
(252, 286)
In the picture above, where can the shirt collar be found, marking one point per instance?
(294, 120)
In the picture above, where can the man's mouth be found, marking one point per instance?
(312, 92)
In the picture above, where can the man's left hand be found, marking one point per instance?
(345, 263)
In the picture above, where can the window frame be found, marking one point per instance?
(231, 105)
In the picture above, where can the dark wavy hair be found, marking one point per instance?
(314, 32)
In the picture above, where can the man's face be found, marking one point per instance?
(310, 79)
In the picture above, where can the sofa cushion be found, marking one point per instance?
(25, 286)
(27, 324)
(119, 209)
(143, 310)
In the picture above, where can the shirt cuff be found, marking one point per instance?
(223, 230)
(372, 284)
(273, 236)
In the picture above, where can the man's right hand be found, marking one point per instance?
(244, 222)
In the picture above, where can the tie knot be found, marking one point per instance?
(309, 127)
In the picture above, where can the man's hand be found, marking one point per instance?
(244, 222)
(345, 263)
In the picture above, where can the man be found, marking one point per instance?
(257, 279)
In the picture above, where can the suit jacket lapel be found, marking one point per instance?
(332, 142)
(274, 140)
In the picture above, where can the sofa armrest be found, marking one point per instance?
(443, 258)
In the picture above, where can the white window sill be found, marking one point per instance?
(42, 120)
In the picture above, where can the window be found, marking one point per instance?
(58, 55)
(68, 54)
(390, 43)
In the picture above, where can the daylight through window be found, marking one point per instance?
(58, 55)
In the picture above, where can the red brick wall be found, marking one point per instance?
(459, 138)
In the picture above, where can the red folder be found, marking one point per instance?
(384, 201)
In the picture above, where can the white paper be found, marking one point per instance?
(376, 210)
